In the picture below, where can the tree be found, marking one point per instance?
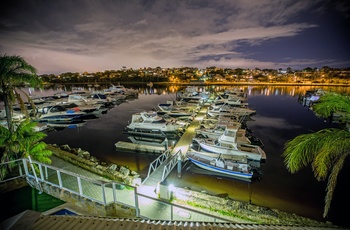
(24, 141)
(327, 149)
(14, 71)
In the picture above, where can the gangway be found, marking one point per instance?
(161, 167)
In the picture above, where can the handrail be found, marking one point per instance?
(171, 164)
(156, 163)
(20, 173)
(104, 186)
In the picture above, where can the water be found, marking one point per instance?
(279, 118)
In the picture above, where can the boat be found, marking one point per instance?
(92, 111)
(122, 90)
(61, 94)
(225, 110)
(151, 124)
(232, 142)
(56, 113)
(101, 98)
(253, 152)
(169, 109)
(60, 125)
(16, 115)
(219, 130)
(193, 95)
(232, 101)
(216, 131)
(235, 167)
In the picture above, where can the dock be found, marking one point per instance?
(185, 140)
(122, 145)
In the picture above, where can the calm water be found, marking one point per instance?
(279, 118)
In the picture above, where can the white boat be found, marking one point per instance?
(232, 101)
(122, 90)
(216, 131)
(16, 115)
(151, 124)
(244, 135)
(192, 95)
(59, 125)
(226, 110)
(91, 111)
(56, 113)
(232, 143)
(61, 94)
(101, 98)
(171, 110)
(236, 167)
(253, 152)
(39, 127)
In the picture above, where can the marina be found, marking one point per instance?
(105, 132)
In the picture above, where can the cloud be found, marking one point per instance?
(96, 35)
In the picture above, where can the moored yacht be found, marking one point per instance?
(151, 124)
(56, 113)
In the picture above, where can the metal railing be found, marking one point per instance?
(156, 163)
(104, 192)
(170, 165)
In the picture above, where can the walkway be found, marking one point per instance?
(182, 145)
(149, 208)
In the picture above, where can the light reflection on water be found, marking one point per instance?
(279, 118)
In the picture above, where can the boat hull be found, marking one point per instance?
(223, 171)
(153, 133)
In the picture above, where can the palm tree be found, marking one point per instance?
(24, 141)
(14, 71)
(327, 149)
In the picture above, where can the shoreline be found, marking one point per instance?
(242, 211)
(207, 84)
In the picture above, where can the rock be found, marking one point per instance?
(113, 167)
(100, 167)
(94, 159)
(124, 171)
(66, 148)
(84, 154)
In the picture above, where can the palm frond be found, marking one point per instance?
(331, 103)
(334, 146)
(300, 151)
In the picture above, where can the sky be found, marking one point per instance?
(96, 35)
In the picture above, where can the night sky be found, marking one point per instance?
(76, 36)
